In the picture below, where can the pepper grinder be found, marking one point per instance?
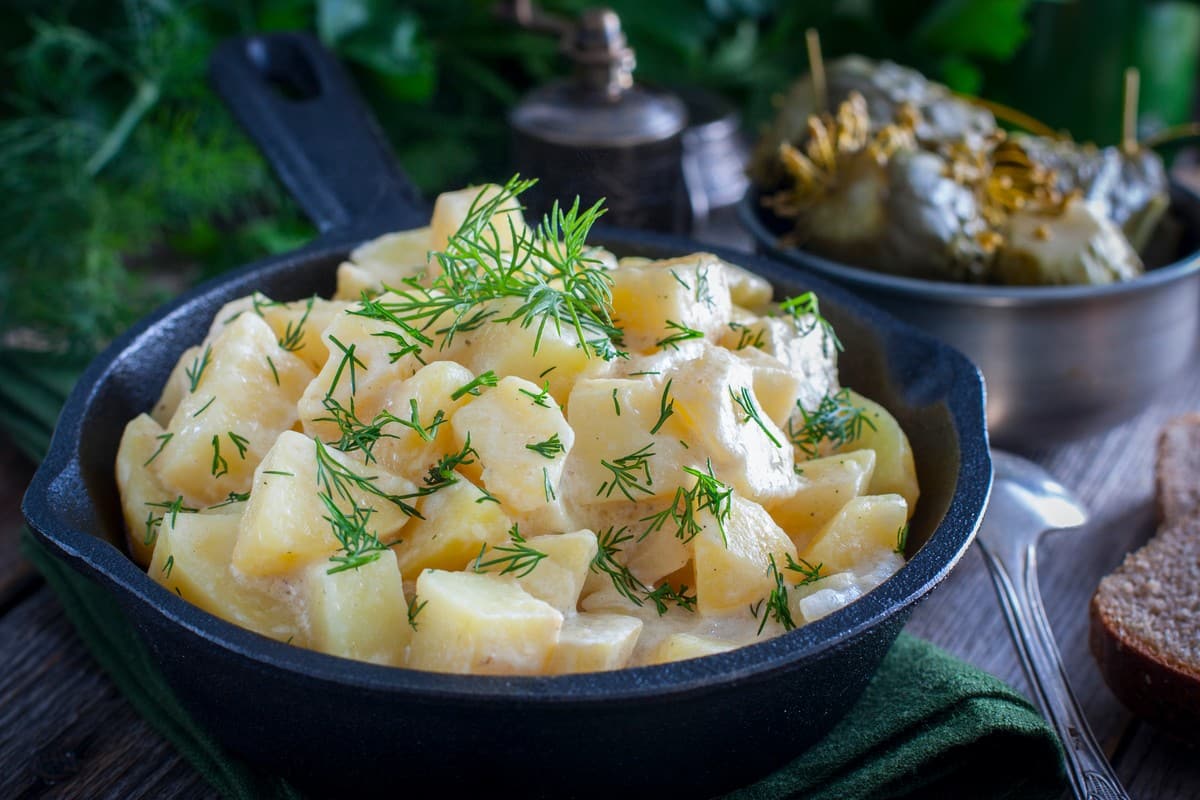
(598, 134)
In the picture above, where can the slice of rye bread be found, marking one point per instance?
(1145, 616)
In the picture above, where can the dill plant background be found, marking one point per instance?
(123, 180)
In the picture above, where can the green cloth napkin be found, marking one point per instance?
(928, 725)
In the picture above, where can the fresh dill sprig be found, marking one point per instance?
(706, 494)
(682, 334)
(336, 479)
(805, 313)
(548, 448)
(629, 472)
(293, 334)
(172, 509)
(809, 573)
(240, 442)
(835, 420)
(475, 385)
(354, 433)
(220, 466)
(163, 439)
(413, 423)
(519, 558)
(666, 406)
(196, 371)
(745, 402)
(442, 473)
(541, 398)
(609, 545)
(748, 336)
(414, 608)
(348, 360)
(359, 544)
(777, 602)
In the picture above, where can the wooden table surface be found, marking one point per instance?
(66, 732)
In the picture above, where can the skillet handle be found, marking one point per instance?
(301, 108)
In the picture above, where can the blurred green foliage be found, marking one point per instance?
(124, 179)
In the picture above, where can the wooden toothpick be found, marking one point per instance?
(1129, 108)
(816, 69)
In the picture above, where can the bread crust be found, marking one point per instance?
(1151, 678)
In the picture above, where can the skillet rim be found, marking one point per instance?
(51, 512)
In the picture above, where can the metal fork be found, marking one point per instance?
(1026, 502)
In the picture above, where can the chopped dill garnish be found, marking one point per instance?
(359, 545)
(666, 406)
(901, 539)
(475, 385)
(487, 497)
(204, 407)
(168, 565)
(805, 313)
(548, 448)
(541, 398)
(162, 438)
(548, 486)
(219, 465)
(616, 403)
(274, 371)
(172, 508)
(293, 334)
(835, 420)
(627, 584)
(519, 558)
(196, 371)
(748, 336)
(441, 474)
(808, 572)
(646, 372)
(745, 402)
(414, 608)
(707, 494)
(683, 334)
(547, 371)
(234, 497)
(630, 471)
(283, 472)
(349, 359)
(413, 423)
(356, 434)
(334, 478)
(777, 602)
(240, 442)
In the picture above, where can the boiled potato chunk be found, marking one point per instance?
(481, 623)
(732, 570)
(559, 577)
(224, 426)
(503, 424)
(176, 387)
(457, 521)
(297, 324)
(692, 292)
(286, 522)
(680, 646)
(363, 364)
(451, 210)
(395, 256)
(358, 613)
(612, 419)
(747, 289)
(192, 560)
(547, 355)
(403, 450)
(138, 484)
(777, 387)
(864, 526)
(595, 643)
(755, 460)
(825, 486)
(803, 346)
(895, 472)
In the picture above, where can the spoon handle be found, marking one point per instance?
(1090, 774)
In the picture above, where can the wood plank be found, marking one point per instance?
(65, 731)
(17, 575)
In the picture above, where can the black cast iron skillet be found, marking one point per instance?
(343, 728)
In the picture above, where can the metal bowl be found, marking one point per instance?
(1060, 362)
(700, 727)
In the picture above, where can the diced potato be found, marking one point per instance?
(594, 643)
(395, 256)
(895, 472)
(358, 373)
(227, 422)
(457, 521)
(481, 623)
(748, 290)
(821, 598)
(451, 209)
(192, 559)
(176, 387)
(508, 348)
(297, 325)
(803, 347)
(681, 646)
(825, 486)
(660, 554)
(732, 571)
(612, 419)
(139, 485)
(286, 522)
(353, 281)
(503, 424)
(559, 577)
(864, 526)
(358, 613)
(777, 387)
(756, 460)
(691, 291)
(404, 451)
